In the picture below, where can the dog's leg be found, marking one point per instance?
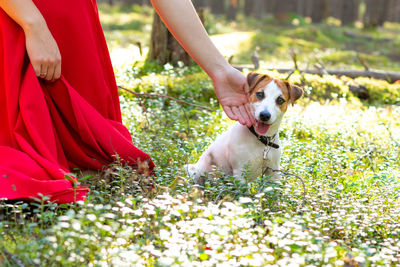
(274, 173)
(194, 172)
(199, 171)
(238, 174)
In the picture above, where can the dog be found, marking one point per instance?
(242, 150)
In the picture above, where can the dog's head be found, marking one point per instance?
(269, 99)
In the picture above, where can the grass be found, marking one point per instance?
(346, 151)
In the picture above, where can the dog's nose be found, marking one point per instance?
(265, 116)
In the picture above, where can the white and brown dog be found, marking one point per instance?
(242, 149)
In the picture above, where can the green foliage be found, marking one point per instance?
(346, 153)
(322, 88)
(381, 91)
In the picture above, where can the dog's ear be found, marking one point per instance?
(295, 92)
(254, 78)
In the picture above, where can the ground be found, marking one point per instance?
(346, 151)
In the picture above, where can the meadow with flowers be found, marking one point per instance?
(345, 150)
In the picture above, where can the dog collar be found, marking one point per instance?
(266, 140)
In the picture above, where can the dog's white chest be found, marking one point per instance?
(249, 155)
(258, 159)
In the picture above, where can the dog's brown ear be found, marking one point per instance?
(254, 78)
(295, 93)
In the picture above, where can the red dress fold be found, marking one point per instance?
(47, 129)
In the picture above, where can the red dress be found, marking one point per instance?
(48, 129)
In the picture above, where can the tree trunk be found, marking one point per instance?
(397, 11)
(232, 9)
(349, 11)
(305, 7)
(132, 2)
(249, 7)
(199, 4)
(301, 7)
(217, 6)
(392, 11)
(267, 5)
(163, 46)
(284, 7)
(376, 13)
(383, 12)
(336, 8)
(320, 10)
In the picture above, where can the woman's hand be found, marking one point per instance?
(41, 47)
(43, 52)
(231, 89)
(230, 85)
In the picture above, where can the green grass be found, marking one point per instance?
(346, 151)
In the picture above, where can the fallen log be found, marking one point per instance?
(366, 37)
(377, 74)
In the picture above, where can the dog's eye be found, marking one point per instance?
(260, 95)
(280, 100)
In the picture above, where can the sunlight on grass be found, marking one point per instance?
(232, 43)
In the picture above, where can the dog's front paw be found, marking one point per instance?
(190, 170)
(276, 178)
(194, 174)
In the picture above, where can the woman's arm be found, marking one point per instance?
(41, 47)
(230, 85)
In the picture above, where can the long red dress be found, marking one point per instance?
(47, 129)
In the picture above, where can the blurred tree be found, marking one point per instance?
(130, 2)
(335, 8)
(249, 7)
(164, 48)
(232, 9)
(283, 8)
(199, 3)
(217, 6)
(396, 11)
(267, 6)
(320, 10)
(305, 7)
(377, 12)
(300, 7)
(349, 13)
(392, 10)
(259, 7)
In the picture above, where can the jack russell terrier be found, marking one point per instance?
(242, 149)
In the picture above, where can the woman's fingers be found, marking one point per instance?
(238, 114)
(250, 114)
(229, 113)
(43, 70)
(245, 115)
(50, 73)
(57, 71)
(37, 69)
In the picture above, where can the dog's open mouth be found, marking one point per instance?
(261, 128)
